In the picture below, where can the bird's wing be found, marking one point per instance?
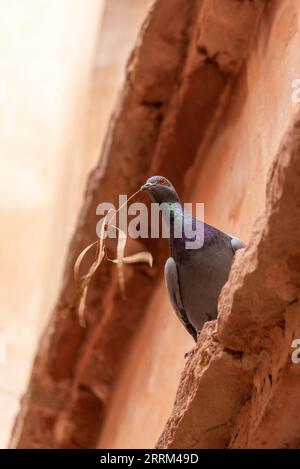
(171, 278)
(236, 243)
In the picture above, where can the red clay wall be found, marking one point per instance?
(231, 180)
(209, 112)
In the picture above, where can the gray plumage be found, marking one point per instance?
(194, 277)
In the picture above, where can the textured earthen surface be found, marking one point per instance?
(186, 111)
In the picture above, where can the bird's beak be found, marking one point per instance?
(146, 186)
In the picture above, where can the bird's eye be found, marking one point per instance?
(161, 181)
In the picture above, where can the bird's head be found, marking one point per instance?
(160, 190)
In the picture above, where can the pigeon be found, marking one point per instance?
(194, 277)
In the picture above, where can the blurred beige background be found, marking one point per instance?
(62, 62)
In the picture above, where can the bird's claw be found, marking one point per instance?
(193, 350)
(190, 352)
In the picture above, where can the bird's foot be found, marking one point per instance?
(193, 350)
(190, 352)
